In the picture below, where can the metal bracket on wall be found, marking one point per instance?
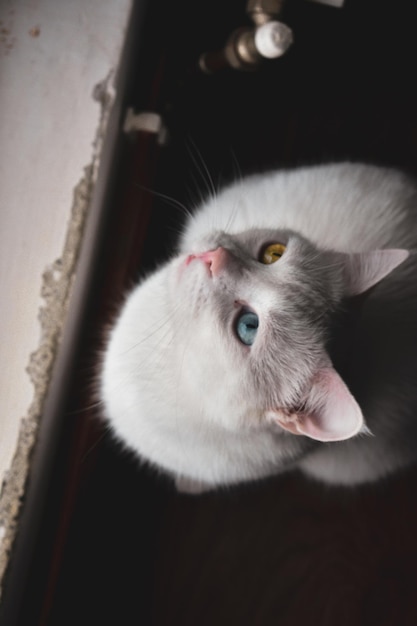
(145, 122)
(247, 47)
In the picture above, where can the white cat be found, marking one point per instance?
(218, 369)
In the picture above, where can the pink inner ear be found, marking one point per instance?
(330, 412)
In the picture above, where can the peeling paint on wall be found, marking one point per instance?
(57, 286)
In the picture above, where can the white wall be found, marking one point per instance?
(52, 55)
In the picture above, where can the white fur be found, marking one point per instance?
(182, 391)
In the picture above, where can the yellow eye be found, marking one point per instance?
(273, 253)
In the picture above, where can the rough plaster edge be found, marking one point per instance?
(56, 290)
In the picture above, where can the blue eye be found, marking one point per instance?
(246, 327)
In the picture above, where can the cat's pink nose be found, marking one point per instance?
(214, 259)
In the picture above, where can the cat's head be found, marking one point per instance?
(217, 369)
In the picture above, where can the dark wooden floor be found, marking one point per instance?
(290, 552)
(119, 546)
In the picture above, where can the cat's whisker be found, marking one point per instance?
(159, 324)
(169, 200)
(201, 168)
(155, 357)
(104, 434)
(177, 409)
(232, 216)
(159, 355)
(238, 179)
(236, 167)
(86, 409)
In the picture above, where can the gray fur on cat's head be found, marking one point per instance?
(185, 392)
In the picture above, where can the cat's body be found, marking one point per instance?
(219, 369)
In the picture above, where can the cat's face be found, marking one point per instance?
(218, 361)
(252, 332)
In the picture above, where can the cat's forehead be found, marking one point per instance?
(247, 241)
(262, 235)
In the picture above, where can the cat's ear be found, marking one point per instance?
(330, 412)
(363, 270)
